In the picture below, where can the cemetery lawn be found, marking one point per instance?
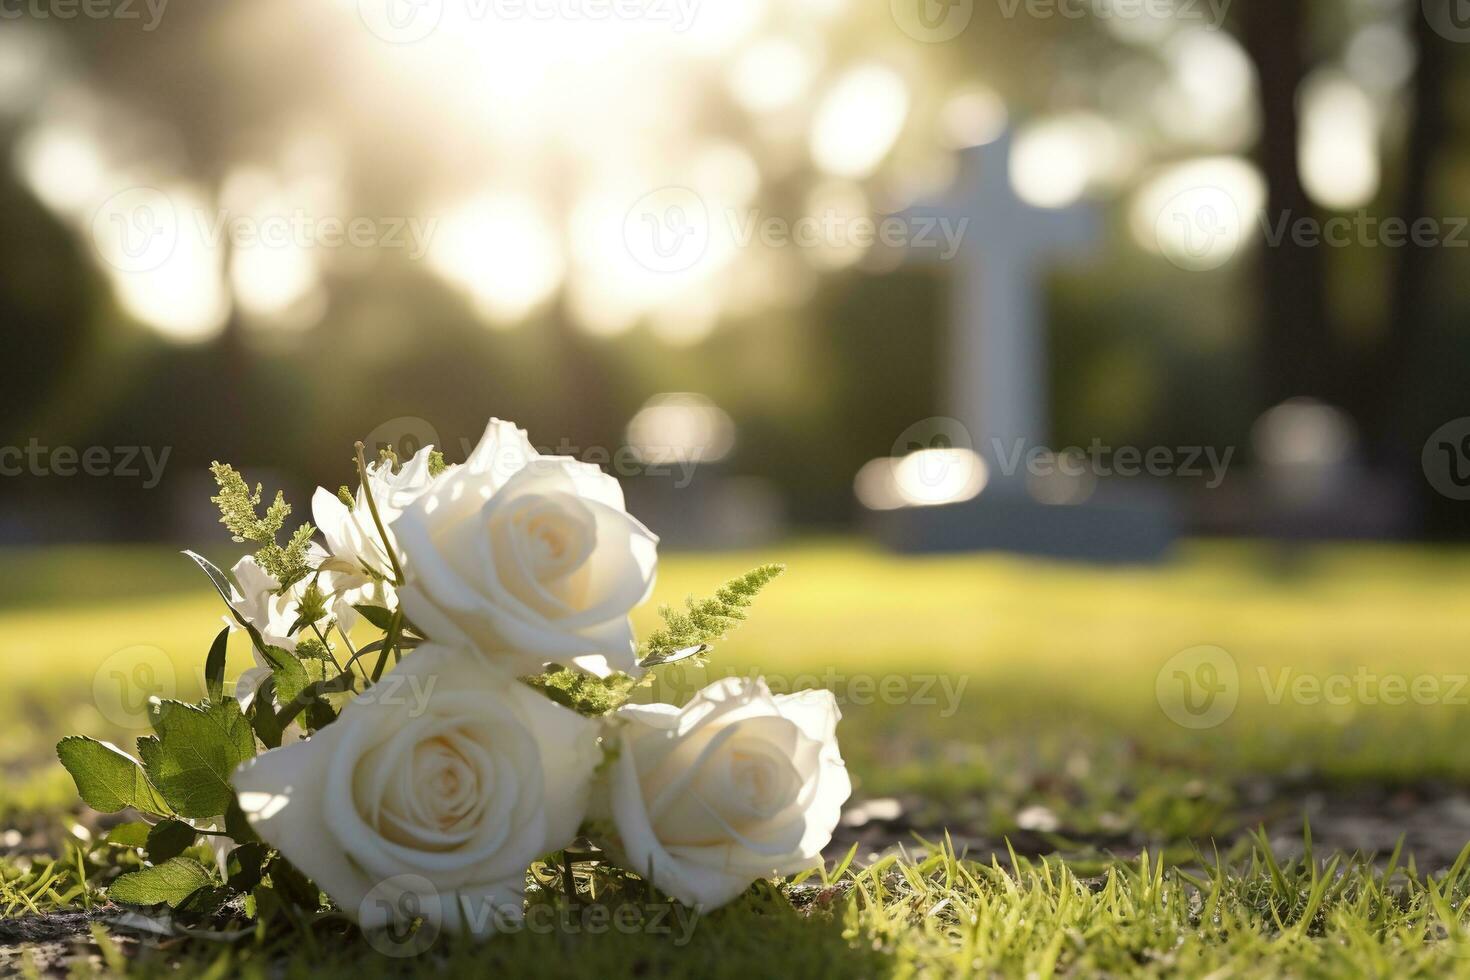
(1012, 705)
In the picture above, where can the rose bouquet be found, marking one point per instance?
(487, 731)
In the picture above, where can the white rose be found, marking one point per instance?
(529, 559)
(441, 783)
(737, 785)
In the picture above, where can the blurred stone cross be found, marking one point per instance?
(997, 384)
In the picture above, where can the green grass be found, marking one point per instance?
(1254, 915)
(1058, 709)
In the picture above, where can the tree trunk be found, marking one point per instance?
(1296, 351)
(1383, 372)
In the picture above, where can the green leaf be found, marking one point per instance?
(134, 833)
(107, 778)
(167, 884)
(311, 648)
(195, 754)
(225, 588)
(313, 701)
(246, 865)
(205, 903)
(292, 885)
(263, 718)
(238, 827)
(376, 615)
(319, 711)
(214, 666)
(293, 675)
(222, 583)
(168, 839)
(673, 657)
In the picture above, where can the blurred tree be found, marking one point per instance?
(1298, 353)
(218, 85)
(1301, 350)
(49, 300)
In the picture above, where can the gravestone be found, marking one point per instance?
(996, 386)
(997, 376)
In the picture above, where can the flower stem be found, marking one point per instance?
(569, 882)
(373, 506)
(326, 646)
(391, 640)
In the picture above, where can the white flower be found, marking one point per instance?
(737, 785)
(441, 784)
(530, 559)
(272, 615)
(358, 570)
(345, 589)
(351, 533)
(255, 599)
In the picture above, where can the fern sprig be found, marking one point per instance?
(583, 693)
(237, 506)
(704, 621)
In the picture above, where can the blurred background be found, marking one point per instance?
(1172, 290)
(737, 252)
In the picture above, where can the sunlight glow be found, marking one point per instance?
(858, 121)
(24, 56)
(279, 286)
(681, 426)
(972, 118)
(1380, 57)
(62, 165)
(627, 194)
(930, 477)
(1055, 161)
(543, 141)
(926, 478)
(713, 28)
(875, 487)
(151, 239)
(1303, 432)
(275, 276)
(1199, 214)
(1211, 98)
(500, 250)
(165, 270)
(772, 74)
(837, 208)
(1339, 143)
